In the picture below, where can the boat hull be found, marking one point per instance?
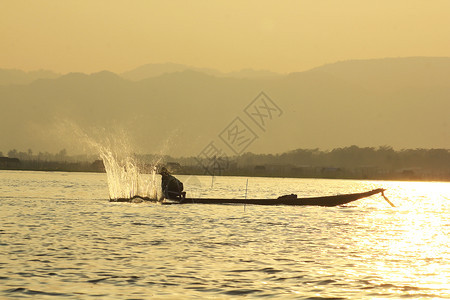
(283, 200)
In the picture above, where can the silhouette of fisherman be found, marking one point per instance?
(172, 188)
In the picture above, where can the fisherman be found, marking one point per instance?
(172, 188)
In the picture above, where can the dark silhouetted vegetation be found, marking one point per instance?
(349, 162)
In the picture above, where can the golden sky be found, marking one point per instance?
(282, 36)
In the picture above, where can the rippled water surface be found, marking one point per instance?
(60, 237)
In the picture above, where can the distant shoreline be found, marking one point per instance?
(382, 163)
(387, 178)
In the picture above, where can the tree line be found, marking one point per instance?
(348, 162)
(60, 156)
(346, 157)
(354, 156)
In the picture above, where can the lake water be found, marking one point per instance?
(61, 238)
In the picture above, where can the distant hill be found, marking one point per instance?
(11, 76)
(399, 102)
(392, 73)
(250, 73)
(155, 70)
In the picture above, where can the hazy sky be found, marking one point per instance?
(283, 36)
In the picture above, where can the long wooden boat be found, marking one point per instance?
(282, 200)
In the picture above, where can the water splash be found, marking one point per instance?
(127, 176)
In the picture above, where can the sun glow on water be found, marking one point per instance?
(413, 238)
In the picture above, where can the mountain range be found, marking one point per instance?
(14, 76)
(178, 110)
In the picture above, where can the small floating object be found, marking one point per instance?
(137, 200)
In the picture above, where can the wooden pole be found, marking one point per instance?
(246, 188)
(385, 198)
